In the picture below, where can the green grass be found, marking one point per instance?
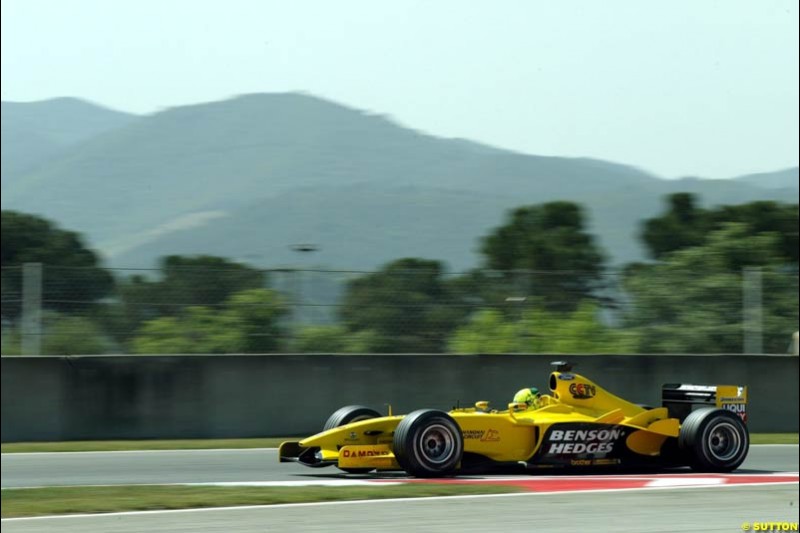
(118, 445)
(204, 444)
(774, 438)
(65, 500)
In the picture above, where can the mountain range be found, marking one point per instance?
(252, 176)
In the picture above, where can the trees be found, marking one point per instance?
(765, 217)
(537, 292)
(195, 330)
(541, 252)
(206, 279)
(692, 302)
(185, 281)
(257, 314)
(320, 339)
(555, 259)
(540, 331)
(75, 335)
(335, 339)
(405, 307)
(190, 280)
(248, 322)
(684, 224)
(73, 278)
(63, 335)
(488, 331)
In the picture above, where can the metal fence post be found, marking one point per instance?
(32, 309)
(752, 310)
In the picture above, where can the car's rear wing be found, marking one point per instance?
(682, 398)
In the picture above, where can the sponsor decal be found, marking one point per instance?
(594, 462)
(566, 377)
(606, 461)
(733, 398)
(739, 409)
(582, 391)
(476, 434)
(580, 447)
(577, 441)
(492, 435)
(364, 453)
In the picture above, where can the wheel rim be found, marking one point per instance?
(724, 441)
(359, 418)
(436, 443)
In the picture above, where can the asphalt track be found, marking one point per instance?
(711, 508)
(204, 466)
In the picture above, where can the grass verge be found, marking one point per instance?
(204, 444)
(774, 438)
(66, 500)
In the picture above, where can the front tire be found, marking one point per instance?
(714, 440)
(347, 415)
(428, 443)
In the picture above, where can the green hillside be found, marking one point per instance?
(205, 156)
(780, 179)
(363, 226)
(33, 133)
(64, 121)
(21, 150)
(250, 176)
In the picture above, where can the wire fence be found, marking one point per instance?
(73, 311)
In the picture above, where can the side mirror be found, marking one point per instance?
(482, 405)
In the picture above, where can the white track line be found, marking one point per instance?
(377, 501)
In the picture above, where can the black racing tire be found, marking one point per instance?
(346, 415)
(714, 440)
(349, 414)
(428, 443)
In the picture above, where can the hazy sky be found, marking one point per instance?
(676, 87)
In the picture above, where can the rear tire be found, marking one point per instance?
(347, 415)
(714, 440)
(428, 443)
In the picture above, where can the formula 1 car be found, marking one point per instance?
(577, 425)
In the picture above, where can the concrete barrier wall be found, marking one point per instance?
(138, 397)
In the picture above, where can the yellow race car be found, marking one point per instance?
(577, 425)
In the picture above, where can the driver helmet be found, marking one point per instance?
(529, 396)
